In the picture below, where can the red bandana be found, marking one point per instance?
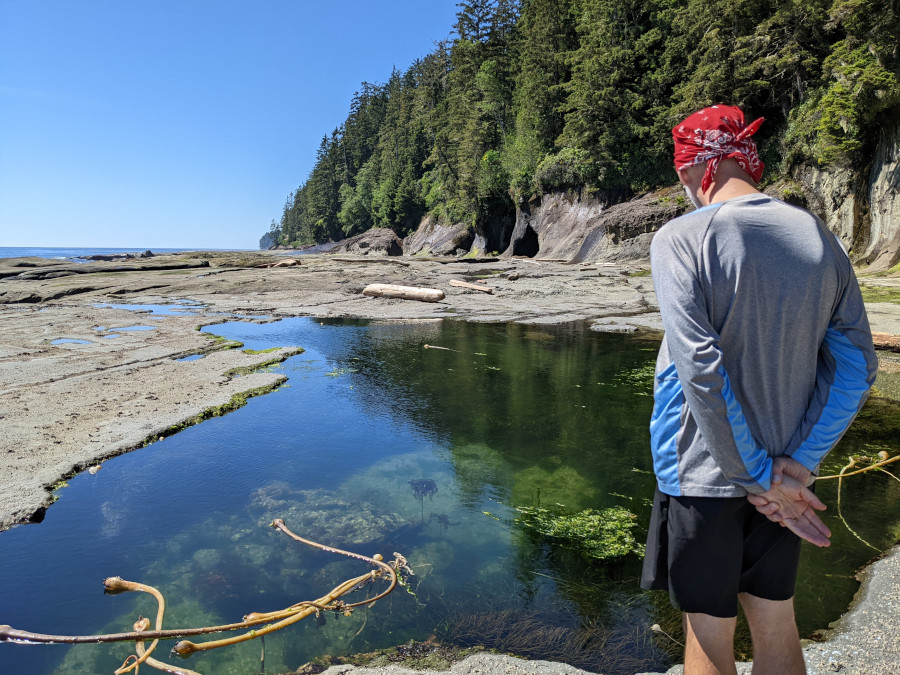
(713, 134)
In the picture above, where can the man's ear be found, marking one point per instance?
(692, 176)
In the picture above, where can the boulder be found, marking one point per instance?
(577, 227)
(379, 241)
(434, 238)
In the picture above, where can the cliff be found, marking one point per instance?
(860, 205)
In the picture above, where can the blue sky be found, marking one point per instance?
(181, 123)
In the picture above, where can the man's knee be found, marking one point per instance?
(769, 616)
(709, 644)
(776, 643)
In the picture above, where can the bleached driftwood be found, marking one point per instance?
(886, 341)
(474, 287)
(404, 292)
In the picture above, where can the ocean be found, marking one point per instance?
(77, 254)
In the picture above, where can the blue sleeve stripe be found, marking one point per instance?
(665, 423)
(846, 394)
(756, 460)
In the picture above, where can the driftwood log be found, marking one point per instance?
(474, 287)
(886, 341)
(404, 292)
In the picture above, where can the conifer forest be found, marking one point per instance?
(527, 97)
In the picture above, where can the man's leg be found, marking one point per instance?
(776, 644)
(708, 645)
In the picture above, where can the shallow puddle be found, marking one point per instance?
(184, 307)
(377, 445)
(134, 328)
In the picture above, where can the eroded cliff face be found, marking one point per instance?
(836, 196)
(579, 228)
(861, 205)
(435, 238)
(883, 246)
(379, 241)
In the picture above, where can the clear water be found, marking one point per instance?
(69, 341)
(182, 308)
(513, 415)
(134, 328)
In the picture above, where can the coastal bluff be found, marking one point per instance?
(861, 205)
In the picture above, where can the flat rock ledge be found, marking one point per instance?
(74, 393)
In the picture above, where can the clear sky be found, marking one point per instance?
(181, 123)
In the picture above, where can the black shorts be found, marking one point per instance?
(706, 550)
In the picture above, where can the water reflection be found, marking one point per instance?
(379, 445)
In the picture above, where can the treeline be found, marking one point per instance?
(542, 95)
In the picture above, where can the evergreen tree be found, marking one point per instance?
(532, 96)
(546, 37)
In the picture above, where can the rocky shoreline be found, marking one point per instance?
(79, 384)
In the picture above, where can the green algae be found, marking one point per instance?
(872, 293)
(607, 534)
(220, 342)
(553, 484)
(256, 367)
(338, 372)
(57, 486)
(237, 401)
(261, 351)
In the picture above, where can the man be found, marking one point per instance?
(767, 357)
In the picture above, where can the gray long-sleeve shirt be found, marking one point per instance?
(767, 349)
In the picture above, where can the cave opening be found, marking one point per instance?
(528, 244)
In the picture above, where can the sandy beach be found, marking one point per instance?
(67, 406)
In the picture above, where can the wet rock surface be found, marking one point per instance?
(324, 515)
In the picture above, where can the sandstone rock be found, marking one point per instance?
(52, 271)
(493, 234)
(860, 205)
(883, 249)
(580, 228)
(433, 238)
(379, 241)
(834, 195)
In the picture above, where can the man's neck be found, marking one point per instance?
(730, 182)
